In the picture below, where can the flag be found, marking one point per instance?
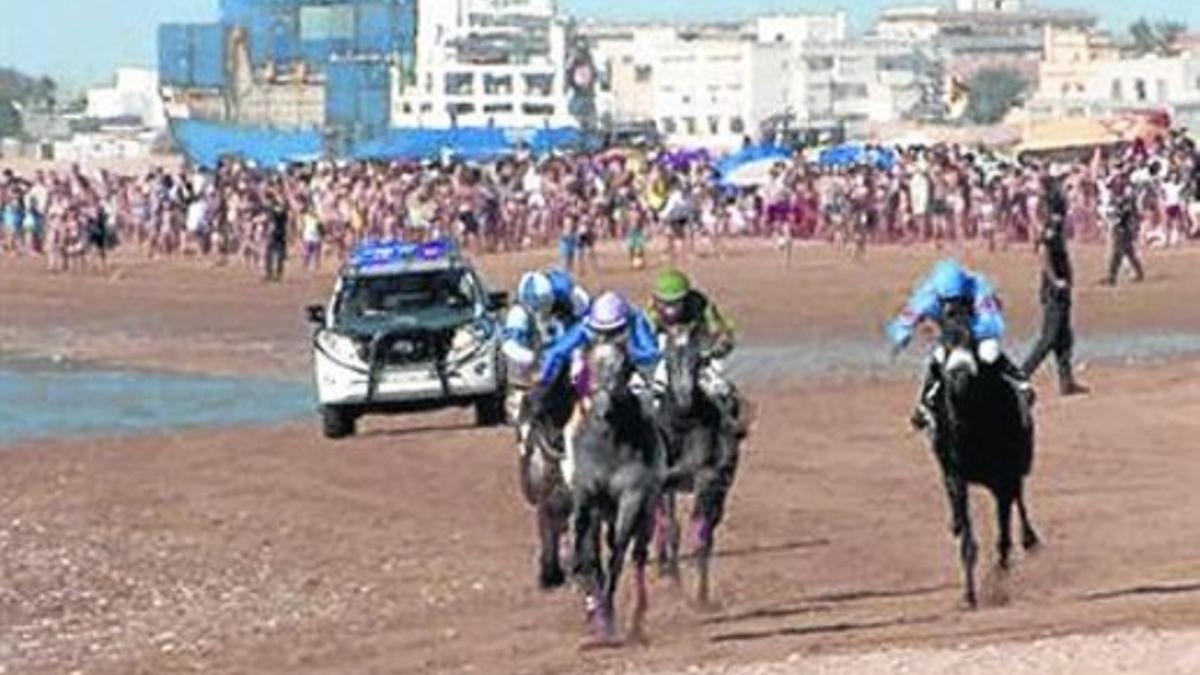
(957, 97)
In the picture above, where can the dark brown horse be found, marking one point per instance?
(982, 436)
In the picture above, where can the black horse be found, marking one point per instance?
(618, 467)
(540, 435)
(982, 435)
(702, 457)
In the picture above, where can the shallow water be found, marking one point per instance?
(860, 359)
(45, 399)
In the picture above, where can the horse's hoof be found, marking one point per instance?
(1031, 542)
(551, 577)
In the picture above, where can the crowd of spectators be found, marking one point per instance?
(317, 212)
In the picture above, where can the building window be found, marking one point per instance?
(460, 108)
(539, 84)
(1162, 93)
(714, 125)
(460, 84)
(737, 125)
(1066, 88)
(538, 109)
(689, 126)
(668, 125)
(687, 100)
(495, 108)
(642, 73)
(407, 108)
(498, 84)
(1117, 93)
(327, 23)
(1139, 89)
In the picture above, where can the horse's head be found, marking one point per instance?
(683, 362)
(608, 370)
(960, 364)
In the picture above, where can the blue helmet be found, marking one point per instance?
(561, 282)
(535, 292)
(950, 280)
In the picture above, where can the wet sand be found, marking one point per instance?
(408, 549)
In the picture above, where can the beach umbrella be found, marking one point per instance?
(751, 166)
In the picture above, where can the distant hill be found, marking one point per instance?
(20, 90)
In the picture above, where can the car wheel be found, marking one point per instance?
(489, 412)
(337, 422)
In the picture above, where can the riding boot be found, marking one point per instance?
(1026, 396)
(923, 417)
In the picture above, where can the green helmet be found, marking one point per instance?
(672, 286)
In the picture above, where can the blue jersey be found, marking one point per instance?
(926, 305)
(642, 347)
(569, 297)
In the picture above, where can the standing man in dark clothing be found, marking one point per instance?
(1057, 280)
(277, 236)
(1124, 230)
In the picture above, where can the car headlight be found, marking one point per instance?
(340, 347)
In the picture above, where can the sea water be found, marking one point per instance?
(46, 399)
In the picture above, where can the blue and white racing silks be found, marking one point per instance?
(526, 335)
(568, 294)
(642, 347)
(926, 305)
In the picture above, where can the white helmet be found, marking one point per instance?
(535, 292)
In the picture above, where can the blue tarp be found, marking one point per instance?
(754, 153)
(205, 143)
(850, 154)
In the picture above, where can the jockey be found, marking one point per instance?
(675, 305)
(549, 304)
(613, 320)
(950, 281)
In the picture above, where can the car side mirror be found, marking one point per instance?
(316, 315)
(497, 300)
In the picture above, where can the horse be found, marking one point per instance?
(702, 457)
(984, 436)
(543, 483)
(617, 471)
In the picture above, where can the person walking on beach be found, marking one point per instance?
(277, 237)
(1057, 281)
(1124, 231)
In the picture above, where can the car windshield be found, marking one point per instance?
(412, 293)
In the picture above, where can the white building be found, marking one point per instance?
(1084, 81)
(855, 81)
(712, 92)
(134, 95)
(713, 84)
(800, 28)
(487, 62)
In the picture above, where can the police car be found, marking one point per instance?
(410, 327)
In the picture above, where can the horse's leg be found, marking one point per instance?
(968, 549)
(632, 510)
(710, 498)
(1029, 538)
(587, 562)
(1004, 505)
(674, 532)
(665, 527)
(550, 574)
(641, 553)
